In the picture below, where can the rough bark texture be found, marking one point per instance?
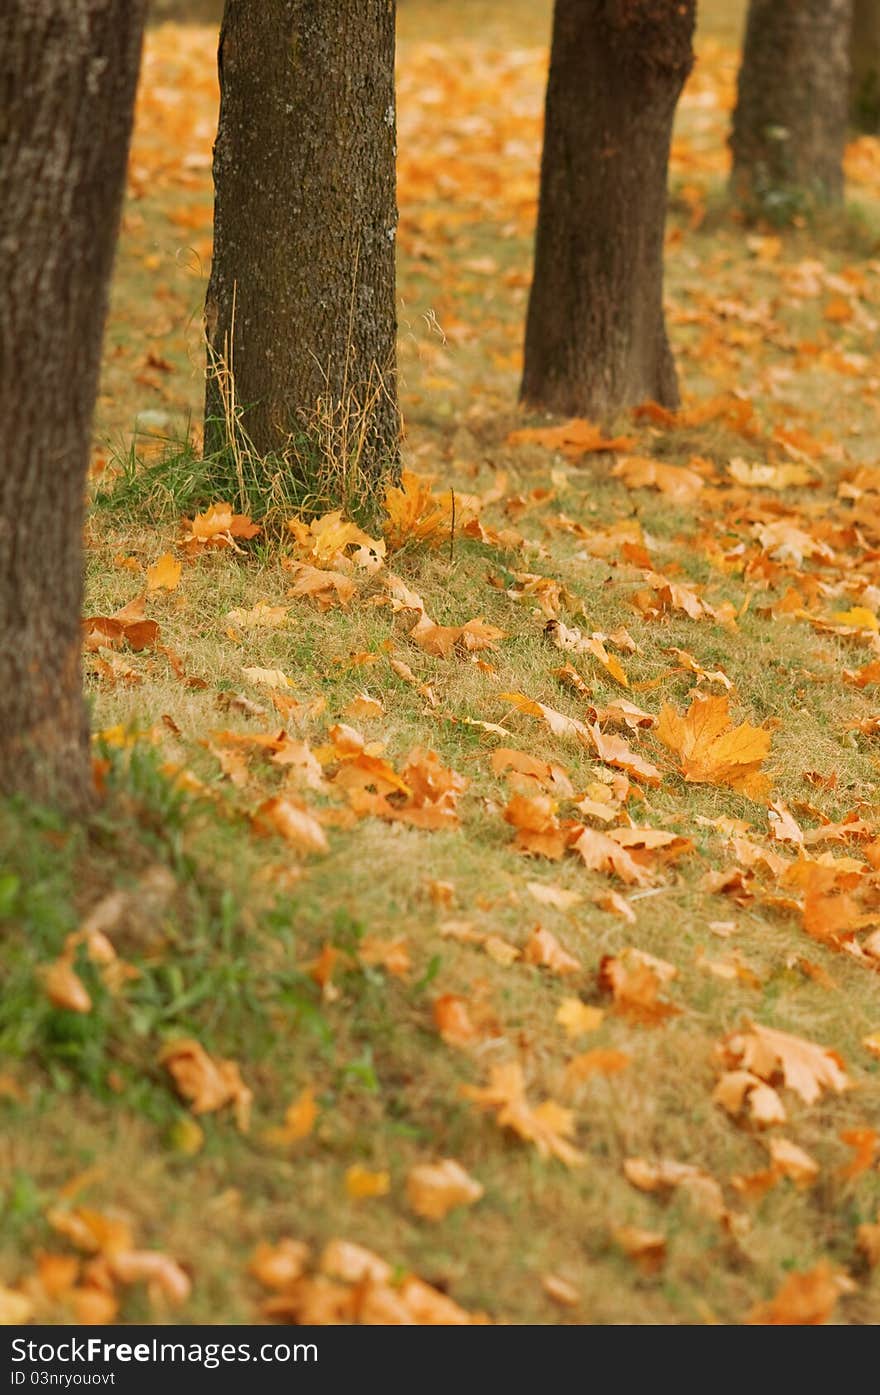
(301, 301)
(789, 127)
(865, 66)
(595, 334)
(68, 70)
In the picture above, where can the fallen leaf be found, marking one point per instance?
(805, 1299)
(164, 575)
(206, 1083)
(434, 1189)
(361, 1183)
(547, 1125)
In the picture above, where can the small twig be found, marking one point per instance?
(452, 530)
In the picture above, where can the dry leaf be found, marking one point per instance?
(205, 1083)
(434, 1189)
(712, 751)
(805, 1299)
(361, 1183)
(547, 1125)
(164, 575)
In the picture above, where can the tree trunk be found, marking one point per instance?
(789, 127)
(300, 310)
(864, 53)
(68, 71)
(595, 334)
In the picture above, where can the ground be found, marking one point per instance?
(355, 932)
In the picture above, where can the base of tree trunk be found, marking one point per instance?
(789, 126)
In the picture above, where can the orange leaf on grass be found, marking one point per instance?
(635, 981)
(544, 949)
(805, 1299)
(164, 575)
(277, 1266)
(548, 1125)
(641, 472)
(435, 1189)
(206, 1083)
(453, 1020)
(362, 1184)
(415, 513)
(803, 1066)
(574, 438)
(865, 1144)
(537, 828)
(738, 1090)
(293, 822)
(646, 1248)
(712, 751)
(599, 1061)
(299, 1120)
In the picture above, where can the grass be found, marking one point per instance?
(225, 946)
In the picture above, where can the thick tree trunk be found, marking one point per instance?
(595, 335)
(301, 303)
(68, 71)
(789, 127)
(865, 66)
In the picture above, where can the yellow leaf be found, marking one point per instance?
(858, 618)
(164, 575)
(711, 751)
(361, 1183)
(267, 677)
(577, 1017)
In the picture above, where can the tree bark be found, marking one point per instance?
(864, 51)
(68, 72)
(789, 126)
(595, 333)
(301, 302)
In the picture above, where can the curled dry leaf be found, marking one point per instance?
(865, 1144)
(434, 1189)
(281, 1264)
(635, 981)
(538, 830)
(556, 896)
(793, 1162)
(646, 1248)
(740, 1090)
(543, 949)
(299, 1120)
(700, 1186)
(63, 986)
(293, 822)
(205, 1083)
(161, 1273)
(453, 1020)
(415, 513)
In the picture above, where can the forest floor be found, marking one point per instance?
(547, 844)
